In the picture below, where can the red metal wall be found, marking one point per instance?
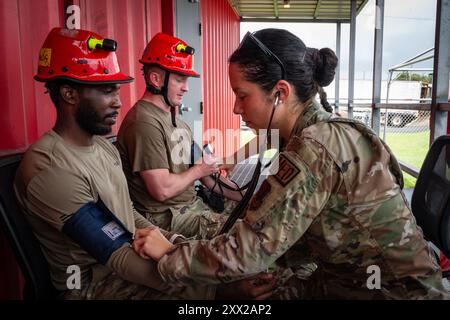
(220, 37)
(168, 23)
(22, 35)
(26, 111)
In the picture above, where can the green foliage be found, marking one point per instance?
(406, 76)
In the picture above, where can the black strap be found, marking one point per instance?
(163, 91)
(241, 207)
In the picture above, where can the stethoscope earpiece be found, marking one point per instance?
(277, 99)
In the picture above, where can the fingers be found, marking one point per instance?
(264, 296)
(261, 288)
(263, 276)
(144, 232)
(151, 246)
(143, 237)
(138, 247)
(267, 276)
(211, 160)
(207, 167)
(263, 285)
(226, 167)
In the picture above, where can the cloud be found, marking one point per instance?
(408, 30)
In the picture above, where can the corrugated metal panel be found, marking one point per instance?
(168, 23)
(297, 9)
(220, 37)
(131, 24)
(26, 111)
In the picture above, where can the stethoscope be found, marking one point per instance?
(239, 210)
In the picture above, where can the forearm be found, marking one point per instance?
(266, 233)
(140, 222)
(222, 259)
(129, 266)
(179, 182)
(166, 185)
(233, 195)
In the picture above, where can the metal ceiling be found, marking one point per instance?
(298, 10)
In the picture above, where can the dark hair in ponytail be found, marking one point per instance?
(307, 69)
(323, 100)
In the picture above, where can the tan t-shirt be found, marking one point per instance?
(147, 140)
(56, 179)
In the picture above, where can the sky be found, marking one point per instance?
(408, 30)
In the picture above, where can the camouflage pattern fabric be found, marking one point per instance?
(115, 288)
(196, 220)
(337, 190)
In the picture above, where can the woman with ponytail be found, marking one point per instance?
(334, 196)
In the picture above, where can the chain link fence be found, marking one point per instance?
(407, 132)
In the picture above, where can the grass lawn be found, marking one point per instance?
(410, 148)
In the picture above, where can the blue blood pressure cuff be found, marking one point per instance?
(97, 230)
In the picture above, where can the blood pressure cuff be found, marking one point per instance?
(97, 230)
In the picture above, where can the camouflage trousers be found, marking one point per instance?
(196, 220)
(112, 287)
(293, 286)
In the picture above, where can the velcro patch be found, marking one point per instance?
(45, 56)
(113, 230)
(286, 170)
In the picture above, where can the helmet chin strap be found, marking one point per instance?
(163, 91)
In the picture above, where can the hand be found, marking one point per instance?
(150, 243)
(227, 168)
(206, 166)
(143, 232)
(259, 287)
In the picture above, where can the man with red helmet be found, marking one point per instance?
(72, 190)
(153, 141)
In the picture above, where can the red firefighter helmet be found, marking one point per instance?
(171, 54)
(81, 56)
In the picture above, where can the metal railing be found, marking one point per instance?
(406, 130)
(405, 127)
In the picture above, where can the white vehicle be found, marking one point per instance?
(396, 118)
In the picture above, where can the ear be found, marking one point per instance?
(154, 78)
(69, 95)
(285, 90)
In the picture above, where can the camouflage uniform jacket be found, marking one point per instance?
(337, 192)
